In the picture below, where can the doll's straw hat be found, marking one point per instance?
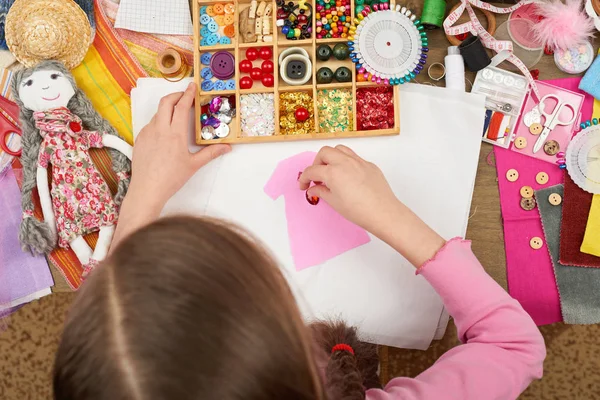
(38, 30)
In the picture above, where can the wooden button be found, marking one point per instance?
(541, 178)
(512, 175)
(536, 128)
(536, 243)
(526, 192)
(520, 142)
(551, 147)
(555, 199)
(528, 204)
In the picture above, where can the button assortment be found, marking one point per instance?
(255, 22)
(217, 24)
(218, 71)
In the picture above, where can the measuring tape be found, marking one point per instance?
(503, 48)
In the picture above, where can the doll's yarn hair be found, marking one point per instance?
(35, 236)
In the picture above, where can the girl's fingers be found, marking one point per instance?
(321, 191)
(208, 154)
(346, 150)
(329, 155)
(181, 115)
(164, 115)
(314, 173)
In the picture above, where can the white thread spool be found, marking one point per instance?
(455, 69)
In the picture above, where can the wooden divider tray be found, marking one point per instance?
(279, 44)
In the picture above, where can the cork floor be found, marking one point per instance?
(28, 341)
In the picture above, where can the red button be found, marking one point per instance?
(75, 126)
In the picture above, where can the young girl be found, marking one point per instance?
(188, 308)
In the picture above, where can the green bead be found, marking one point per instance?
(323, 52)
(417, 21)
(341, 51)
(343, 74)
(290, 34)
(324, 75)
(595, 121)
(359, 2)
(420, 27)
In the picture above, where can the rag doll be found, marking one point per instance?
(59, 126)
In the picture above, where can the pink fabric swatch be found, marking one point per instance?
(529, 272)
(317, 233)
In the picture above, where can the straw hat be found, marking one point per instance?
(38, 30)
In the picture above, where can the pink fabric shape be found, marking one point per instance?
(317, 232)
(561, 133)
(529, 272)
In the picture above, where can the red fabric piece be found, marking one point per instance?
(576, 207)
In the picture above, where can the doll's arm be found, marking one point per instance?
(45, 199)
(118, 144)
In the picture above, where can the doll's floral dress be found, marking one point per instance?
(81, 199)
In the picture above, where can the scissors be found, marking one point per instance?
(552, 119)
(9, 115)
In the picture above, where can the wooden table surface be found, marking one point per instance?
(485, 223)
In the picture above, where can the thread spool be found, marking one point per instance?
(455, 69)
(172, 65)
(475, 55)
(433, 13)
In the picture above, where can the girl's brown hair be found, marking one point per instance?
(190, 308)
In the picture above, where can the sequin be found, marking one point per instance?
(335, 110)
(257, 114)
(375, 108)
(288, 103)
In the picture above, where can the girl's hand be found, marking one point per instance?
(162, 163)
(358, 190)
(354, 187)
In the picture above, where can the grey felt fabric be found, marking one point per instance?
(579, 287)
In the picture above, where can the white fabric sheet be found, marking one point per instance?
(431, 167)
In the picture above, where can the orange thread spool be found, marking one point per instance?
(172, 65)
(495, 123)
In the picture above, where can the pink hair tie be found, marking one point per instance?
(342, 347)
(27, 213)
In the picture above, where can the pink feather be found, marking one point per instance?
(564, 25)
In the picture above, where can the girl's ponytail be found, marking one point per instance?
(352, 366)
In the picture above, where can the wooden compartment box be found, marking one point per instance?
(280, 43)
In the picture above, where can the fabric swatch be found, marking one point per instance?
(578, 287)
(591, 239)
(317, 233)
(529, 272)
(21, 275)
(575, 211)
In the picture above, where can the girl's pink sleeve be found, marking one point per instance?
(503, 351)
